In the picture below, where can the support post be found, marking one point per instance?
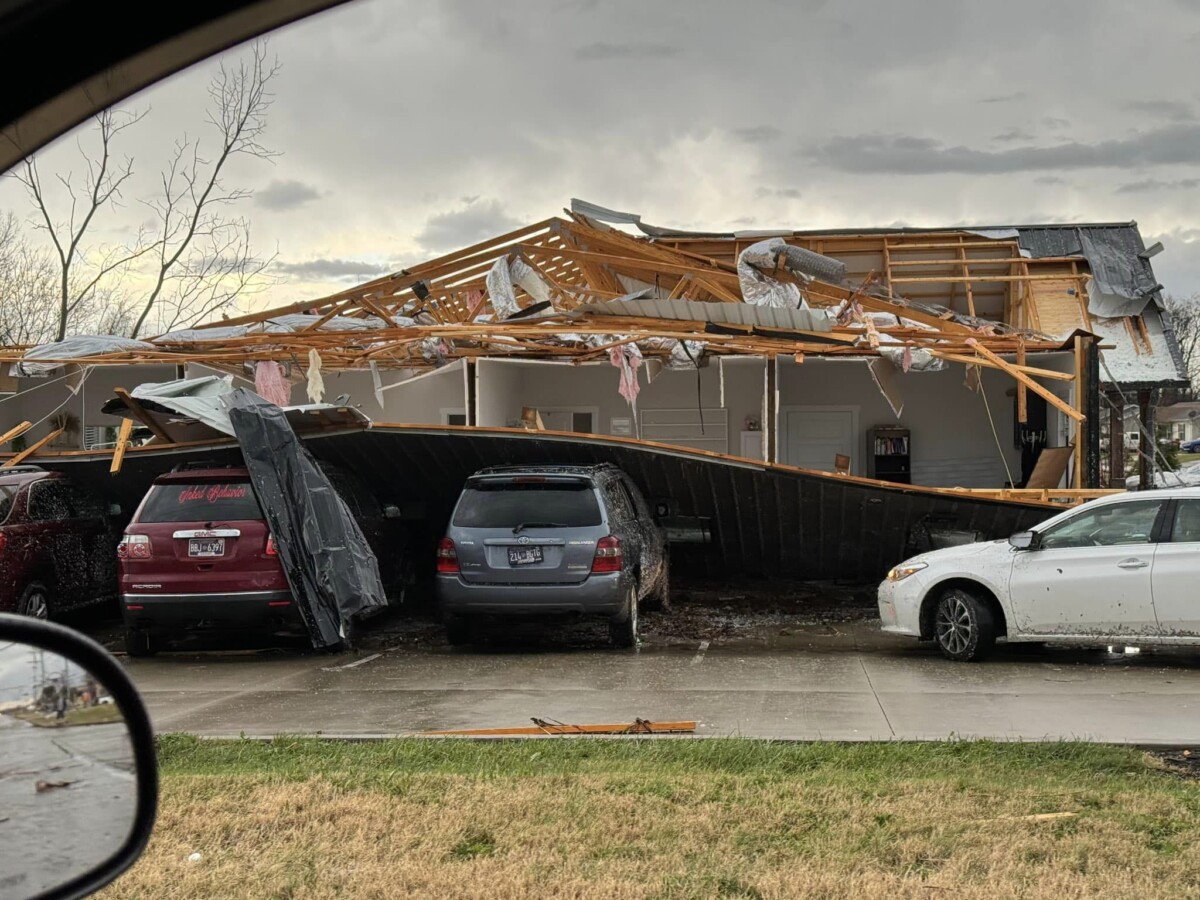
(1145, 440)
(1091, 408)
(1116, 440)
(773, 405)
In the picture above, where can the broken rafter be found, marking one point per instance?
(31, 449)
(1047, 395)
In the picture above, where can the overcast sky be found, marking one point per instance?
(410, 128)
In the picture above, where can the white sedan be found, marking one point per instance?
(1118, 568)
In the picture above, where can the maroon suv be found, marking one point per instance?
(57, 543)
(198, 557)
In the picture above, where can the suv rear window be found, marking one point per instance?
(507, 504)
(209, 501)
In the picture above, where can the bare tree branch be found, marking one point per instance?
(192, 232)
(102, 190)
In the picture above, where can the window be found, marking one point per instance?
(507, 504)
(1121, 523)
(1186, 529)
(206, 501)
(7, 495)
(48, 502)
(622, 503)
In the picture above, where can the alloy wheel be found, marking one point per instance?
(954, 626)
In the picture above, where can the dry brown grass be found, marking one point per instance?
(597, 827)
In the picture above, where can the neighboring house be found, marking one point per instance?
(939, 422)
(1182, 420)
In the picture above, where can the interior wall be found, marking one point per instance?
(506, 386)
(38, 399)
(952, 440)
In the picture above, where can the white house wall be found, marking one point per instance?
(952, 443)
(507, 386)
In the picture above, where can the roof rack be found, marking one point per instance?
(550, 468)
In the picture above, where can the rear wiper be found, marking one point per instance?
(518, 529)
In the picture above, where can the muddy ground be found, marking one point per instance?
(743, 612)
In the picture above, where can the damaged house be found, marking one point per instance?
(956, 365)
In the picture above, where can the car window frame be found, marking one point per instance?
(1156, 527)
(1168, 535)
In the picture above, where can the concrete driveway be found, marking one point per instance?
(829, 682)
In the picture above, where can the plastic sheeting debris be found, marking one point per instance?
(758, 262)
(332, 571)
(79, 346)
(500, 280)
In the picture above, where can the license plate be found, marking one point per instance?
(206, 546)
(524, 556)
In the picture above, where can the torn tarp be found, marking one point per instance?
(332, 571)
(758, 264)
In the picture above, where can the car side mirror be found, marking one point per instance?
(392, 511)
(81, 788)
(1024, 540)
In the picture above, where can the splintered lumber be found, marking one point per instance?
(122, 446)
(1028, 370)
(1047, 395)
(541, 726)
(16, 431)
(32, 449)
(139, 412)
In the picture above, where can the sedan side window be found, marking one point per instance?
(1123, 523)
(1186, 529)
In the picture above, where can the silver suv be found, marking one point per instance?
(551, 541)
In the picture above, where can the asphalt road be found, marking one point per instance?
(835, 682)
(51, 835)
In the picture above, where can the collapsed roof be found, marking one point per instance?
(578, 288)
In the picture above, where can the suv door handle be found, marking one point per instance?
(1132, 564)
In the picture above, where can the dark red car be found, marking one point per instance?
(57, 544)
(198, 556)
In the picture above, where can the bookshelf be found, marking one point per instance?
(890, 453)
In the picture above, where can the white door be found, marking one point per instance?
(1089, 574)
(812, 438)
(1176, 573)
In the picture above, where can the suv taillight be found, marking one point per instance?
(271, 550)
(608, 555)
(447, 557)
(134, 546)
(3, 541)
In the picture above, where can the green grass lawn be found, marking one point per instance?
(666, 818)
(1188, 457)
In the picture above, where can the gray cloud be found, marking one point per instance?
(1016, 134)
(1171, 110)
(1055, 123)
(470, 224)
(285, 195)
(1049, 179)
(1155, 184)
(331, 269)
(601, 51)
(901, 154)
(758, 134)
(1004, 98)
